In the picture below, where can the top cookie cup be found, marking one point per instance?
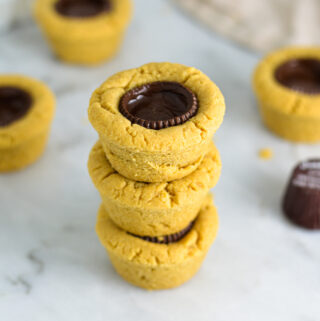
(165, 154)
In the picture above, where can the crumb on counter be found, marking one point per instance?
(266, 153)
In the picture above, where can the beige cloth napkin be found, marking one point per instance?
(262, 25)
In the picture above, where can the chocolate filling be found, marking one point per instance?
(167, 239)
(82, 8)
(301, 203)
(14, 104)
(159, 105)
(302, 75)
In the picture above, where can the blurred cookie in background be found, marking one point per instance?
(26, 112)
(287, 85)
(84, 32)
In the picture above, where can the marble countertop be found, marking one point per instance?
(52, 266)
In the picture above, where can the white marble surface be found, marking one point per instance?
(52, 266)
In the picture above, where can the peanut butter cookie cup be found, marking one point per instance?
(287, 84)
(153, 208)
(26, 111)
(156, 122)
(159, 263)
(84, 31)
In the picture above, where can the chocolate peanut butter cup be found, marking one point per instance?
(26, 111)
(167, 239)
(14, 104)
(82, 8)
(157, 266)
(301, 202)
(287, 85)
(159, 105)
(302, 75)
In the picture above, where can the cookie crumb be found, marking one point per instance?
(266, 153)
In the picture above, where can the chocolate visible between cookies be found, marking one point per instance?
(167, 239)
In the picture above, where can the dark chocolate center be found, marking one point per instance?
(301, 75)
(14, 104)
(82, 8)
(167, 239)
(159, 105)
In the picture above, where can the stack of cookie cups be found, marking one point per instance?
(154, 165)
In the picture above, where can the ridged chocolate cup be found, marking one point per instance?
(167, 239)
(302, 75)
(170, 98)
(301, 203)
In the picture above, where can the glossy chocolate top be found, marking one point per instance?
(301, 202)
(167, 239)
(82, 8)
(301, 75)
(14, 104)
(159, 105)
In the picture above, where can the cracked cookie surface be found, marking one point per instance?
(153, 208)
(159, 266)
(150, 155)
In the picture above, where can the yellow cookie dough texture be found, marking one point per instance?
(157, 208)
(89, 40)
(23, 141)
(292, 115)
(158, 266)
(164, 155)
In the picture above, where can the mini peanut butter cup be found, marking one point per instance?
(159, 105)
(301, 203)
(167, 239)
(14, 104)
(302, 75)
(82, 8)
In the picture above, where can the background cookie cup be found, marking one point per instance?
(158, 266)
(285, 83)
(148, 155)
(84, 39)
(23, 140)
(157, 208)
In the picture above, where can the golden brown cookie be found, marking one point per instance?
(153, 208)
(84, 31)
(26, 111)
(287, 84)
(157, 121)
(157, 266)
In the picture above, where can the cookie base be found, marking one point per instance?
(20, 156)
(153, 209)
(158, 266)
(155, 167)
(291, 127)
(86, 53)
